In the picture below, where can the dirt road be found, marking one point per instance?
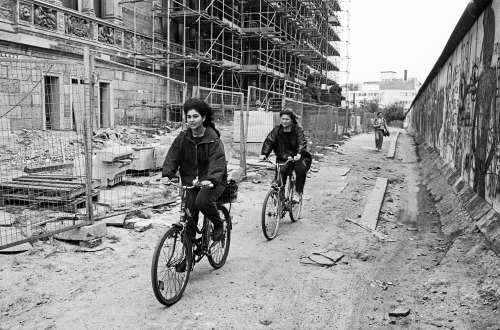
(446, 281)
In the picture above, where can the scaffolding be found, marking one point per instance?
(230, 45)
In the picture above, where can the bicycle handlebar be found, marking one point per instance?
(178, 185)
(267, 160)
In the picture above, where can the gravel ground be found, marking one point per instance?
(445, 280)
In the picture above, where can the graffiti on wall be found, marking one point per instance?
(459, 111)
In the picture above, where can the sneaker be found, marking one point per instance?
(217, 233)
(181, 267)
(296, 197)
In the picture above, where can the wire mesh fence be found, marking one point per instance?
(323, 124)
(144, 112)
(224, 103)
(69, 142)
(42, 162)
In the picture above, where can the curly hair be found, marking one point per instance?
(289, 112)
(203, 109)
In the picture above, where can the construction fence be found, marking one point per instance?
(84, 140)
(80, 140)
(324, 125)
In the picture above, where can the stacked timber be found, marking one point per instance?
(53, 191)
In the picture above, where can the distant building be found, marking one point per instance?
(387, 91)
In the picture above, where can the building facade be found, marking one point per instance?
(179, 46)
(389, 90)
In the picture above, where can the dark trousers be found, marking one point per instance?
(379, 138)
(204, 201)
(300, 175)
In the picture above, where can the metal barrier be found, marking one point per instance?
(42, 149)
(80, 140)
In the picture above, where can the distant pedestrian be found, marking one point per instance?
(380, 126)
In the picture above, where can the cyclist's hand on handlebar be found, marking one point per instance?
(202, 184)
(206, 184)
(297, 157)
(290, 158)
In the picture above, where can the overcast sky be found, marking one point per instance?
(394, 35)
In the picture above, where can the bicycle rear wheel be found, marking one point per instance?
(271, 213)
(169, 276)
(220, 249)
(295, 208)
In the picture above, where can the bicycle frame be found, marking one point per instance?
(278, 177)
(202, 243)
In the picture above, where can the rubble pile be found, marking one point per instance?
(37, 147)
(32, 147)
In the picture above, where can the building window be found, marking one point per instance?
(72, 4)
(98, 8)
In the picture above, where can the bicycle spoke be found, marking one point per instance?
(168, 282)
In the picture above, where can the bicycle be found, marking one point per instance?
(168, 278)
(278, 202)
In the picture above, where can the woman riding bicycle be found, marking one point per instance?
(289, 143)
(198, 153)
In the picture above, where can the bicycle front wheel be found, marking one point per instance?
(220, 249)
(172, 263)
(271, 213)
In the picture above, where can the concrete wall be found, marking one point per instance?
(458, 112)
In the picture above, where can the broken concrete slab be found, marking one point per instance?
(334, 256)
(17, 248)
(392, 147)
(400, 312)
(130, 223)
(372, 208)
(141, 226)
(86, 233)
(91, 244)
(144, 214)
(321, 260)
(115, 221)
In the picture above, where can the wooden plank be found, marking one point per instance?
(95, 183)
(54, 177)
(35, 181)
(37, 185)
(48, 168)
(372, 209)
(40, 198)
(48, 191)
(67, 186)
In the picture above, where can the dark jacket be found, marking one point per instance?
(286, 144)
(206, 160)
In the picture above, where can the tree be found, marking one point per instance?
(394, 111)
(372, 106)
